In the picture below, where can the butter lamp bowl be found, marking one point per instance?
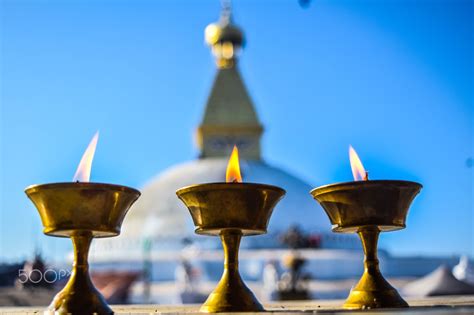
(81, 211)
(218, 206)
(381, 203)
(67, 208)
(368, 208)
(231, 210)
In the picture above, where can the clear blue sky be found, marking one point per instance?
(392, 78)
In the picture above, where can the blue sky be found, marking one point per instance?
(392, 78)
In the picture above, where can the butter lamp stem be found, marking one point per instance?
(372, 291)
(81, 244)
(231, 243)
(370, 238)
(79, 296)
(231, 293)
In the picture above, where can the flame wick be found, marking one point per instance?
(232, 174)
(358, 170)
(83, 171)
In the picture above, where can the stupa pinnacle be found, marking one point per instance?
(230, 117)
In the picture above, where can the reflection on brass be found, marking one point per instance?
(81, 211)
(368, 208)
(231, 210)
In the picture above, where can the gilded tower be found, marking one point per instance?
(229, 117)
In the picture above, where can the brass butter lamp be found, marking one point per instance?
(231, 210)
(81, 211)
(368, 207)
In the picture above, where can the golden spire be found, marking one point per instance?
(224, 38)
(230, 117)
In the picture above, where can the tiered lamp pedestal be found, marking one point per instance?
(81, 211)
(230, 211)
(368, 208)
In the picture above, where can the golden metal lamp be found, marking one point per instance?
(231, 210)
(368, 208)
(81, 211)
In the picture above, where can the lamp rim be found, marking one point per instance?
(365, 183)
(228, 186)
(85, 185)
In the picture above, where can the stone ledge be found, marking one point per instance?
(445, 305)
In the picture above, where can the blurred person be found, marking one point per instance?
(464, 270)
(293, 284)
(271, 276)
(187, 280)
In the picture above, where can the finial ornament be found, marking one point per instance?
(225, 38)
(226, 12)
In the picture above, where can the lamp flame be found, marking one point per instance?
(232, 174)
(83, 171)
(358, 170)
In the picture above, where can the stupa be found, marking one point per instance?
(229, 119)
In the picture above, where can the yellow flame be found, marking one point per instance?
(358, 170)
(232, 175)
(83, 172)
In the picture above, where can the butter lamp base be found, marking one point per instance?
(79, 296)
(231, 293)
(372, 291)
